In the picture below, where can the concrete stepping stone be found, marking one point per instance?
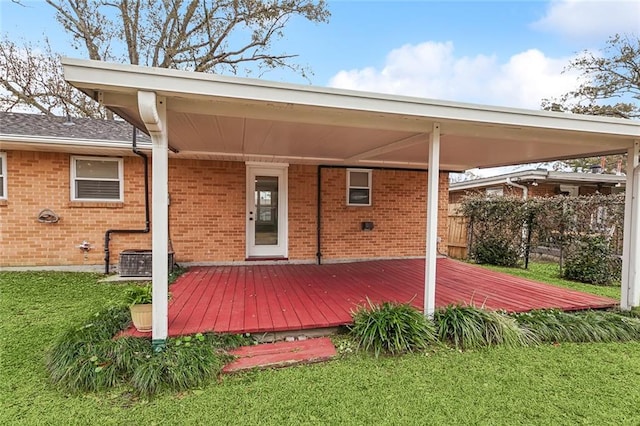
(281, 354)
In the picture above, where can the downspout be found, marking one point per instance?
(525, 190)
(107, 235)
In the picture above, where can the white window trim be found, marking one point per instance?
(369, 187)
(494, 191)
(3, 159)
(99, 200)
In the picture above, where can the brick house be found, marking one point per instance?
(539, 183)
(84, 172)
(244, 168)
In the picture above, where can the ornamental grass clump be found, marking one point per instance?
(81, 359)
(89, 358)
(592, 326)
(468, 327)
(391, 328)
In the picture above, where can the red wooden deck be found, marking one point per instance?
(268, 298)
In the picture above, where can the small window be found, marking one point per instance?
(3, 175)
(96, 179)
(495, 192)
(358, 187)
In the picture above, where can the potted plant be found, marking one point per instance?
(139, 299)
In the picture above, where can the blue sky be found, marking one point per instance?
(508, 53)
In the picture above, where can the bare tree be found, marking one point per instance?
(611, 81)
(31, 80)
(214, 36)
(197, 35)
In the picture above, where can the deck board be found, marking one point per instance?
(268, 298)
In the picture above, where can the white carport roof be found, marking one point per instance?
(219, 117)
(209, 116)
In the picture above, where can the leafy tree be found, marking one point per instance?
(610, 87)
(214, 36)
(613, 77)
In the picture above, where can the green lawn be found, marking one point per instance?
(550, 273)
(565, 384)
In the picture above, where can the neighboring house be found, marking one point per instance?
(528, 183)
(66, 182)
(539, 183)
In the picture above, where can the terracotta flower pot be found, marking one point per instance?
(141, 316)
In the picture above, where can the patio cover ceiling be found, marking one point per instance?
(230, 118)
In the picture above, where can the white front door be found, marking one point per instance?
(267, 210)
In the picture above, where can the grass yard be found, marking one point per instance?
(563, 384)
(550, 273)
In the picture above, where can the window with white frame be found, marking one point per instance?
(358, 187)
(96, 179)
(495, 192)
(3, 175)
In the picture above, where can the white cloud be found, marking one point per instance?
(590, 19)
(432, 70)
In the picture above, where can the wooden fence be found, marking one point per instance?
(457, 241)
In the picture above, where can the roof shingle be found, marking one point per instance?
(23, 124)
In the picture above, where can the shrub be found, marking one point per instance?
(392, 328)
(468, 327)
(592, 261)
(88, 358)
(81, 358)
(495, 250)
(495, 228)
(591, 326)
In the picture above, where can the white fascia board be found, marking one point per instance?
(538, 175)
(97, 75)
(594, 178)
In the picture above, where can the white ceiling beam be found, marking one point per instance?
(391, 147)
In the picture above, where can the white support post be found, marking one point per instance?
(432, 221)
(630, 295)
(153, 113)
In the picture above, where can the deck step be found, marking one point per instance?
(281, 354)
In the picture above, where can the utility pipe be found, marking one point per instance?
(107, 234)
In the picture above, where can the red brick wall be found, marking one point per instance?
(398, 212)
(303, 211)
(40, 180)
(207, 213)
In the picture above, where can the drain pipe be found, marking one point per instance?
(525, 190)
(107, 234)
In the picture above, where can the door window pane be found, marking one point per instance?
(266, 217)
